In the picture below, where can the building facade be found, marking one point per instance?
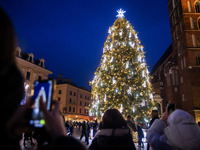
(31, 69)
(176, 76)
(73, 99)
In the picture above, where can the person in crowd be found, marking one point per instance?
(15, 118)
(130, 123)
(95, 128)
(71, 128)
(88, 130)
(154, 116)
(84, 133)
(115, 134)
(140, 135)
(79, 125)
(177, 130)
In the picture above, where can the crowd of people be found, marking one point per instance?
(176, 130)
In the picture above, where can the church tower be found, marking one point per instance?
(184, 18)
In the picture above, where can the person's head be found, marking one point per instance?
(12, 83)
(7, 39)
(113, 119)
(129, 118)
(154, 113)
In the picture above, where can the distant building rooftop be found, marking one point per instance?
(162, 59)
(29, 57)
(61, 80)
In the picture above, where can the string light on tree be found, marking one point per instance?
(122, 79)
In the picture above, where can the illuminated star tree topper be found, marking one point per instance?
(120, 13)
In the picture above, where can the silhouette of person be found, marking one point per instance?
(115, 133)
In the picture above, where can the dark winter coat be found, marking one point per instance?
(152, 120)
(113, 139)
(140, 132)
(132, 125)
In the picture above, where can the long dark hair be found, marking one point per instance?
(113, 119)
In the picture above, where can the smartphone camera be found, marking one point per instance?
(171, 108)
(42, 89)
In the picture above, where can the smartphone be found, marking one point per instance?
(171, 108)
(44, 89)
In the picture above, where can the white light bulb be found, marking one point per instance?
(111, 59)
(120, 33)
(113, 80)
(130, 35)
(133, 109)
(127, 64)
(121, 109)
(129, 90)
(105, 98)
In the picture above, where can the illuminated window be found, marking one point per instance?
(197, 7)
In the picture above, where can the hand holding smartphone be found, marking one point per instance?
(170, 107)
(42, 89)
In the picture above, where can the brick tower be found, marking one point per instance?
(184, 18)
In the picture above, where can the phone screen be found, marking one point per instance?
(41, 89)
(171, 108)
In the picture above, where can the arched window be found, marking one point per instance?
(198, 59)
(197, 7)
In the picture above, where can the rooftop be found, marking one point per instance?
(162, 59)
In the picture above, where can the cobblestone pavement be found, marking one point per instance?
(76, 134)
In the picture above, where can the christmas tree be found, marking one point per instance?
(122, 79)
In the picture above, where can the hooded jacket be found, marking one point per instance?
(113, 139)
(181, 133)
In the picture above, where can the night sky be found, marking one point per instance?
(70, 34)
